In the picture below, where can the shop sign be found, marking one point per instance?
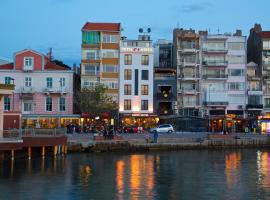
(137, 49)
(85, 114)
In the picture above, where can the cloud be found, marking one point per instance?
(195, 7)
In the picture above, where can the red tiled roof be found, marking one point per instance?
(89, 26)
(6, 66)
(53, 66)
(264, 34)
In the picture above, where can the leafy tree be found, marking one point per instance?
(95, 101)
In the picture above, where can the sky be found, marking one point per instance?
(41, 24)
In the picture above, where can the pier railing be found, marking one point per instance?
(19, 133)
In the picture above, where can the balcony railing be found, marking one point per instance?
(7, 86)
(212, 76)
(216, 103)
(189, 76)
(215, 63)
(27, 90)
(53, 90)
(191, 91)
(219, 50)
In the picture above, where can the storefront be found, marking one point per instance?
(49, 121)
(264, 124)
(144, 120)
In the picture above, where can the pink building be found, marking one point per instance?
(43, 90)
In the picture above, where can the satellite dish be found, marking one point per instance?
(149, 30)
(140, 30)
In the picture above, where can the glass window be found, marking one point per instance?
(110, 68)
(127, 89)
(236, 72)
(144, 89)
(236, 86)
(62, 104)
(111, 84)
(91, 69)
(27, 81)
(48, 103)
(108, 53)
(6, 103)
(236, 59)
(266, 44)
(49, 82)
(254, 99)
(28, 62)
(91, 55)
(128, 74)
(144, 74)
(127, 104)
(145, 60)
(236, 46)
(8, 80)
(90, 37)
(128, 59)
(110, 38)
(267, 102)
(214, 46)
(62, 82)
(144, 105)
(27, 106)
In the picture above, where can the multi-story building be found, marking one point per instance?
(223, 82)
(136, 82)
(165, 88)
(43, 90)
(187, 59)
(100, 56)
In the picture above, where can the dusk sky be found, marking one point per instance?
(40, 24)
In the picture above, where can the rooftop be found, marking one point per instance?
(90, 26)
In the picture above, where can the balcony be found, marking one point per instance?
(187, 63)
(189, 77)
(188, 91)
(255, 92)
(165, 96)
(254, 106)
(216, 103)
(213, 50)
(254, 78)
(6, 88)
(215, 77)
(215, 63)
(60, 91)
(187, 49)
(27, 90)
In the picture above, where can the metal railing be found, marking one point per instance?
(33, 132)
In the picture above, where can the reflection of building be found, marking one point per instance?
(164, 79)
(187, 59)
(223, 80)
(43, 90)
(136, 81)
(100, 56)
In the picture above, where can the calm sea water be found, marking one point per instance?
(243, 174)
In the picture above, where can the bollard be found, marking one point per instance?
(43, 152)
(29, 152)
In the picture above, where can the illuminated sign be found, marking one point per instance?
(137, 49)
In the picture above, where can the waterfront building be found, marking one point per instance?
(187, 59)
(136, 81)
(223, 84)
(43, 92)
(165, 88)
(100, 56)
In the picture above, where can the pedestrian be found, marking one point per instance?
(155, 137)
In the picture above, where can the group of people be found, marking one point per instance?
(108, 132)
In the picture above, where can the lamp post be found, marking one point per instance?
(209, 117)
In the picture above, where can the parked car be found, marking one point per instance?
(133, 129)
(163, 128)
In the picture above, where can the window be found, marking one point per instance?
(27, 81)
(90, 84)
(49, 82)
(144, 74)
(109, 53)
(111, 84)
(8, 80)
(236, 72)
(110, 39)
(128, 59)
(236, 46)
(90, 37)
(91, 69)
(254, 99)
(254, 86)
(27, 106)
(128, 74)
(62, 104)
(266, 44)
(144, 89)
(267, 103)
(236, 86)
(62, 82)
(127, 104)
(214, 46)
(7, 104)
(127, 89)
(110, 68)
(145, 60)
(91, 54)
(144, 105)
(48, 104)
(236, 59)
(28, 63)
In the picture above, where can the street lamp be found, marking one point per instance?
(209, 117)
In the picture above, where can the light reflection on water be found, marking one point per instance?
(230, 174)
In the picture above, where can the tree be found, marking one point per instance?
(95, 101)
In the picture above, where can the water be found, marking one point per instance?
(229, 174)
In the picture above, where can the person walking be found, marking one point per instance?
(155, 137)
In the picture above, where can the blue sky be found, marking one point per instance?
(40, 24)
